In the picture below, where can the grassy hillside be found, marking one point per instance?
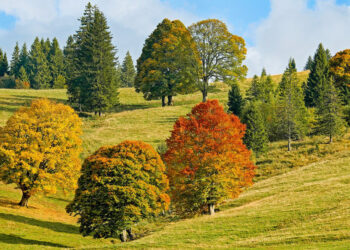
(304, 205)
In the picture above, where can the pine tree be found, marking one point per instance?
(24, 58)
(22, 75)
(39, 76)
(261, 89)
(70, 71)
(95, 82)
(15, 62)
(291, 113)
(235, 100)
(255, 137)
(128, 71)
(56, 62)
(308, 64)
(3, 64)
(328, 54)
(329, 119)
(319, 72)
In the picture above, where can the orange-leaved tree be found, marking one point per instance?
(339, 67)
(207, 161)
(40, 147)
(119, 186)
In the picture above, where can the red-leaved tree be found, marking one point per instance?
(206, 159)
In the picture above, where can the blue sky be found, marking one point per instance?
(274, 30)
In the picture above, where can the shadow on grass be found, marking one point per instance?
(26, 97)
(54, 226)
(129, 107)
(14, 239)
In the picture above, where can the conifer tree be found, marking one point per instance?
(308, 64)
(319, 73)
(39, 76)
(56, 62)
(255, 137)
(291, 113)
(95, 82)
(70, 71)
(22, 75)
(261, 89)
(128, 71)
(24, 58)
(329, 119)
(235, 100)
(3, 64)
(15, 62)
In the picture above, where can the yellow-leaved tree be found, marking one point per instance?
(40, 147)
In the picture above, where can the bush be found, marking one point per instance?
(19, 84)
(7, 82)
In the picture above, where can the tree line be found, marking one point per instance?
(294, 109)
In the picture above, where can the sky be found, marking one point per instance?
(274, 30)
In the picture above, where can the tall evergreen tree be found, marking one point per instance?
(15, 62)
(308, 64)
(328, 54)
(95, 84)
(329, 119)
(255, 137)
(319, 73)
(3, 63)
(261, 89)
(22, 75)
(128, 71)
(69, 69)
(56, 63)
(39, 76)
(24, 58)
(291, 113)
(235, 100)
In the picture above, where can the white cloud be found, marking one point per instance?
(130, 22)
(294, 30)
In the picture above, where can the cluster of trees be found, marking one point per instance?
(294, 109)
(205, 163)
(178, 60)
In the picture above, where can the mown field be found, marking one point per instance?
(300, 200)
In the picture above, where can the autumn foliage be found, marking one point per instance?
(40, 147)
(206, 158)
(119, 186)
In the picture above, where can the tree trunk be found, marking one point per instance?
(123, 236)
(99, 113)
(170, 100)
(204, 94)
(211, 208)
(130, 234)
(163, 101)
(25, 198)
(289, 144)
(330, 138)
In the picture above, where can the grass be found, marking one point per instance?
(300, 199)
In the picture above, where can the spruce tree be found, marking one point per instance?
(319, 73)
(3, 64)
(95, 81)
(255, 137)
(22, 75)
(235, 100)
(24, 58)
(128, 71)
(291, 113)
(56, 62)
(15, 62)
(39, 76)
(329, 119)
(308, 64)
(70, 71)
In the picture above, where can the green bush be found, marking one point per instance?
(7, 82)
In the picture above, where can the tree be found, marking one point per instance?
(308, 64)
(94, 84)
(56, 62)
(23, 75)
(128, 71)
(235, 100)
(291, 113)
(206, 158)
(40, 147)
(340, 70)
(24, 58)
(119, 186)
(3, 64)
(168, 63)
(221, 54)
(329, 119)
(261, 88)
(71, 71)
(15, 62)
(256, 137)
(319, 72)
(39, 75)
